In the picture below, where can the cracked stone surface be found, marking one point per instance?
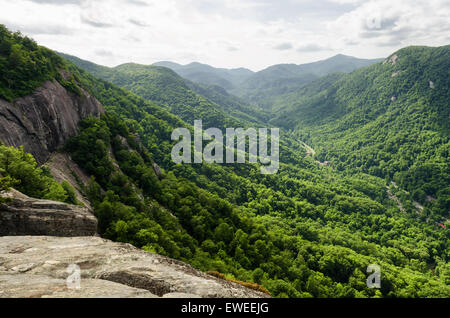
(44, 120)
(36, 266)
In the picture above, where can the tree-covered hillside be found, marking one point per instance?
(252, 248)
(165, 88)
(390, 120)
(259, 88)
(24, 65)
(333, 213)
(264, 86)
(205, 74)
(19, 169)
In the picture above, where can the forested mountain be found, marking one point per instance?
(24, 65)
(309, 231)
(181, 97)
(390, 120)
(229, 103)
(205, 74)
(263, 87)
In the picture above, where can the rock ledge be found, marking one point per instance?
(32, 266)
(28, 216)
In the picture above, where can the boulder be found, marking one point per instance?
(158, 171)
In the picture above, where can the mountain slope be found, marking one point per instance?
(263, 86)
(390, 120)
(298, 216)
(205, 74)
(181, 97)
(24, 65)
(230, 104)
(300, 201)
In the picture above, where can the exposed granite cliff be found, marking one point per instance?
(63, 169)
(40, 240)
(46, 119)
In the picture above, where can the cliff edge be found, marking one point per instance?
(39, 266)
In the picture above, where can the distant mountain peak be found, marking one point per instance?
(340, 56)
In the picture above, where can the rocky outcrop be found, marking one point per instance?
(38, 267)
(391, 60)
(64, 237)
(46, 119)
(158, 171)
(27, 216)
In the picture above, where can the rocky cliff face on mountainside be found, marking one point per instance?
(46, 119)
(62, 168)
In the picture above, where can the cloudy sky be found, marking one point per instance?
(228, 33)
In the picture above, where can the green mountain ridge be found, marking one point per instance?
(181, 97)
(390, 120)
(262, 87)
(205, 74)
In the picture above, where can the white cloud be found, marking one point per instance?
(229, 33)
(312, 47)
(383, 24)
(284, 46)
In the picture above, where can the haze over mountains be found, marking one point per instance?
(258, 87)
(206, 74)
(181, 96)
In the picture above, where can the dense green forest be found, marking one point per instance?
(309, 231)
(300, 186)
(19, 169)
(390, 120)
(175, 217)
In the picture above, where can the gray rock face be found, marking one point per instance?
(46, 119)
(41, 286)
(36, 266)
(28, 216)
(63, 169)
(158, 171)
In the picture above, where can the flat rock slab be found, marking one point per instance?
(41, 286)
(37, 266)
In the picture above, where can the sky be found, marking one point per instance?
(228, 33)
